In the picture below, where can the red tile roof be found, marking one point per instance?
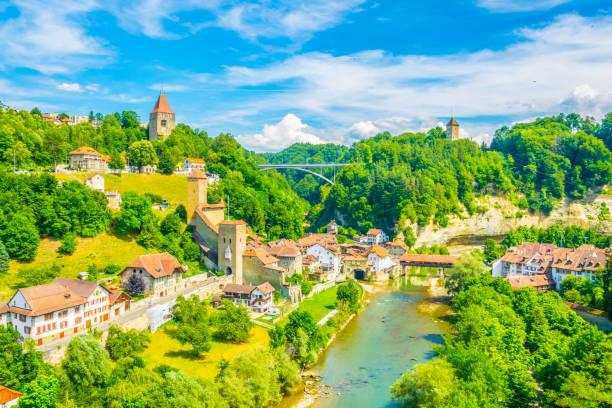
(47, 298)
(195, 160)
(157, 265)
(536, 281)
(162, 105)
(8, 395)
(378, 250)
(429, 258)
(374, 231)
(266, 288)
(284, 251)
(233, 222)
(261, 254)
(452, 122)
(85, 150)
(197, 174)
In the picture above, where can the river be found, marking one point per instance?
(368, 356)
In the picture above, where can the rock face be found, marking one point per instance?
(502, 216)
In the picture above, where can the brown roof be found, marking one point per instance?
(378, 250)
(47, 298)
(400, 244)
(116, 295)
(521, 281)
(196, 174)
(428, 258)
(157, 265)
(195, 160)
(585, 257)
(309, 260)
(323, 239)
(204, 218)
(80, 287)
(162, 105)
(284, 251)
(85, 150)
(355, 258)
(452, 122)
(266, 288)
(233, 222)
(374, 231)
(263, 255)
(8, 395)
(3, 307)
(236, 288)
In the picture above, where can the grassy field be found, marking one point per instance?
(100, 250)
(320, 304)
(171, 187)
(165, 349)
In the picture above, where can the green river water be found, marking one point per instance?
(376, 347)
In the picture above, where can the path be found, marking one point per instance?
(327, 317)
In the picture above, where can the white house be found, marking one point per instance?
(95, 182)
(380, 261)
(192, 163)
(257, 298)
(161, 273)
(58, 309)
(376, 236)
(328, 257)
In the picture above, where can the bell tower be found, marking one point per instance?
(231, 246)
(196, 194)
(452, 129)
(161, 119)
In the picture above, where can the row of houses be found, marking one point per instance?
(545, 266)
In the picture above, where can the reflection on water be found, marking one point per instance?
(385, 340)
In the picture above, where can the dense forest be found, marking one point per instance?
(425, 178)
(512, 348)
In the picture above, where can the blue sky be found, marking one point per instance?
(277, 72)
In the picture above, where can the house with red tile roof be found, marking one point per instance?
(8, 397)
(161, 273)
(87, 158)
(257, 298)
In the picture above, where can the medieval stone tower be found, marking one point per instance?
(231, 244)
(196, 194)
(452, 129)
(161, 119)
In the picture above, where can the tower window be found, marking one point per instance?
(163, 123)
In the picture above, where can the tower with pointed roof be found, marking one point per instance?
(161, 119)
(452, 129)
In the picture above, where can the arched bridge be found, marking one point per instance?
(306, 167)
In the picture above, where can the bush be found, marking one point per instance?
(68, 244)
(135, 285)
(122, 344)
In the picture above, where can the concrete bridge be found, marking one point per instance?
(306, 168)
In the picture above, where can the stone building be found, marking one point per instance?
(161, 273)
(161, 119)
(87, 158)
(452, 129)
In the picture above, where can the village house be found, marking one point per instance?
(376, 236)
(328, 256)
(381, 265)
(161, 273)
(541, 282)
(397, 248)
(8, 397)
(87, 158)
(332, 227)
(259, 267)
(76, 119)
(192, 163)
(289, 256)
(114, 199)
(58, 309)
(256, 298)
(310, 263)
(536, 258)
(95, 182)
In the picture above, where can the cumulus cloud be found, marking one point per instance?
(363, 129)
(288, 131)
(506, 6)
(70, 87)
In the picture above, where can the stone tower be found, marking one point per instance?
(231, 244)
(452, 129)
(196, 194)
(161, 119)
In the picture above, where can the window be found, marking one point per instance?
(163, 123)
(22, 318)
(49, 316)
(27, 330)
(77, 309)
(78, 320)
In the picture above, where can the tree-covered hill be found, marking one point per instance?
(425, 177)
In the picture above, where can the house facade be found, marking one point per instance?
(381, 265)
(376, 236)
(256, 298)
(95, 182)
(161, 273)
(328, 257)
(87, 158)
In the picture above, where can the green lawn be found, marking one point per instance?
(100, 250)
(320, 304)
(165, 349)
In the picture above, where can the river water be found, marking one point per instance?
(368, 356)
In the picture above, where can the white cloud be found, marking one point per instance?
(46, 37)
(70, 87)
(288, 131)
(508, 6)
(529, 78)
(169, 87)
(363, 129)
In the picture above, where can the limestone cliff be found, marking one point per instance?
(502, 216)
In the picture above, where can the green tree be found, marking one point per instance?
(349, 292)
(86, 363)
(233, 323)
(136, 211)
(142, 153)
(127, 343)
(469, 267)
(4, 259)
(116, 161)
(18, 365)
(36, 112)
(68, 244)
(40, 393)
(193, 323)
(20, 237)
(171, 224)
(428, 385)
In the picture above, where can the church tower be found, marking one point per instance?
(452, 129)
(161, 119)
(196, 193)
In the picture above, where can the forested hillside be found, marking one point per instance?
(263, 199)
(425, 178)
